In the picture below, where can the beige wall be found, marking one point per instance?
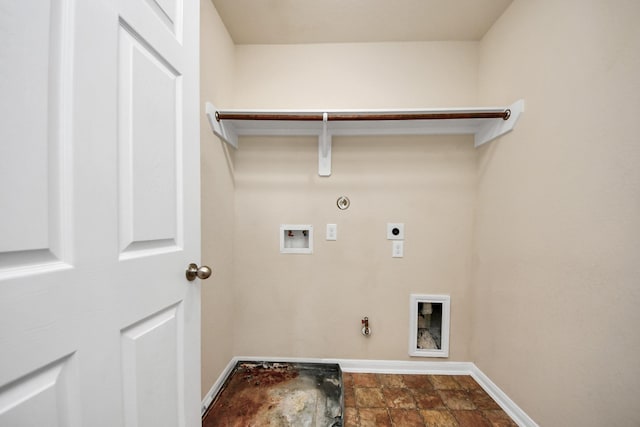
(312, 305)
(556, 259)
(216, 75)
(364, 75)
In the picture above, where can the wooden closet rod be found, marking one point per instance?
(345, 117)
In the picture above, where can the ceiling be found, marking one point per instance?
(345, 21)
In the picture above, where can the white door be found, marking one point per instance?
(99, 213)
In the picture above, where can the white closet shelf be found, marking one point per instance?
(485, 124)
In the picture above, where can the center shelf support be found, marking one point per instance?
(324, 148)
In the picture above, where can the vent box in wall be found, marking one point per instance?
(296, 239)
(429, 327)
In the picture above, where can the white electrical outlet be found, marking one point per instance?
(332, 231)
(395, 231)
(397, 249)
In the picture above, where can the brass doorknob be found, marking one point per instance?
(200, 272)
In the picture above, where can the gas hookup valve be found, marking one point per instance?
(366, 331)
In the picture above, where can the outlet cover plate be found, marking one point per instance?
(395, 231)
(332, 232)
(397, 249)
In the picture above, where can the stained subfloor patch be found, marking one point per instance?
(279, 395)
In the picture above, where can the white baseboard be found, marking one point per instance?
(215, 388)
(405, 367)
(509, 406)
(392, 367)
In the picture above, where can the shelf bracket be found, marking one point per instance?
(222, 130)
(324, 148)
(496, 128)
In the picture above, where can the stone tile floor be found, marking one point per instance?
(379, 400)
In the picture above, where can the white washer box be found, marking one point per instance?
(296, 239)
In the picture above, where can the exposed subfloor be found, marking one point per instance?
(379, 400)
(277, 395)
